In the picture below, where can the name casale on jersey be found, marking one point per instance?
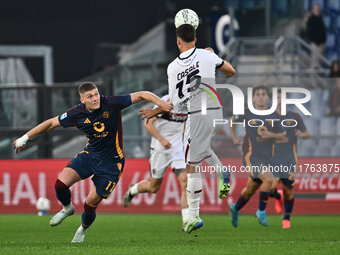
(185, 73)
(190, 75)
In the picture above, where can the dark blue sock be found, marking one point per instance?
(63, 192)
(226, 175)
(88, 216)
(288, 205)
(263, 200)
(240, 203)
(275, 194)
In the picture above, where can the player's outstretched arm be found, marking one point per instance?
(43, 127)
(302, 134)
(227, 69)
(149, 126)
(150, 113)
(277, 136)
(151, 97)
(236, 140)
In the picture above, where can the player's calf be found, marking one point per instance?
(64, 196)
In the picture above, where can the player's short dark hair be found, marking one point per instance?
(260, 87)
(186, 32)
(86, 86)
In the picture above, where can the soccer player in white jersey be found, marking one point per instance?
(166, 150)
(190, 76)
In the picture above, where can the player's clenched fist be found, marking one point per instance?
(20, 143)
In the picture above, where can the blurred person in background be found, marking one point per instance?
(166, 149)
(285, 155)
(316, 33)
(335, 69)
(334, 99)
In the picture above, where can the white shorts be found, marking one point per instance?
(199, 130)
(160, 160)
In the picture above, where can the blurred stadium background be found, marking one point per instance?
(48, 47)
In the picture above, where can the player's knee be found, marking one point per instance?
(247, 192)
(89, 207)
(250, 192)
(268, 182)
(59, 185)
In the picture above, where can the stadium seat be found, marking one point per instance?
(321, 3)
(332, 54)
(335, 151)
(331, 40)
(338, 126)
(324, 142)
(328, 22)
(318, 105)
(311, 142)
(305, 151)
(325, 95)
(307, 5)
(334, 5)
(327, 126)
(312, 125)
(322, 151)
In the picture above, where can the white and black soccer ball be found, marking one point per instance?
(43, 204)
(186, 16)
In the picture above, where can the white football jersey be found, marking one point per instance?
(191, 78)
(170, 126)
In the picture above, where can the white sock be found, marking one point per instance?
(68, 208)
(134, 189)
(185, 215)
(194, 191)
(81, 229)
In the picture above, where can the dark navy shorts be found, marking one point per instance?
(286, 175)
(254, 166)
(106, 174)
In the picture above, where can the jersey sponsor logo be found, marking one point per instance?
(101, 134)
(87, 121)
(106, 115)
(99, 126)
(253, 122)
(63, 116)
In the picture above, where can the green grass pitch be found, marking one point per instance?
(161, 234)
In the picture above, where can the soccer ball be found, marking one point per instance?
(43, 204)
(186, 16)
